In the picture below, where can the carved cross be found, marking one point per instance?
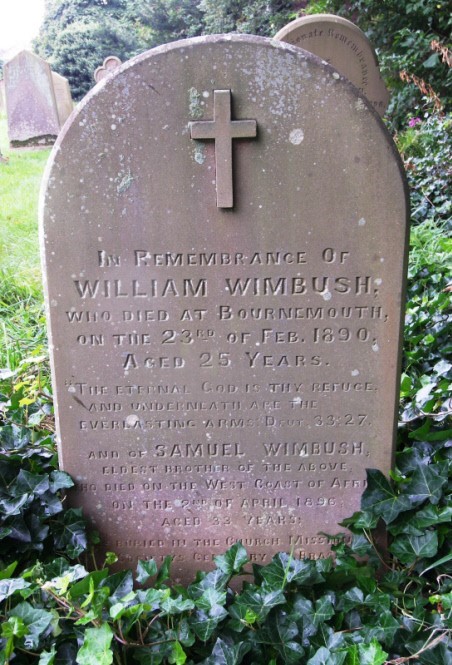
(222, 130)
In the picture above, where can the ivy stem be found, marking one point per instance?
(428, 644)
(150, 624)
(371, 542)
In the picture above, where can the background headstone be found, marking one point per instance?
(30, 101)
(223, 373)
(109, 66)
(63, 97)
(344, 46)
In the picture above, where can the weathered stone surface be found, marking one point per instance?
(344, 46)
(109, 66)
(223, 373)
(30, 101)
(63, 97)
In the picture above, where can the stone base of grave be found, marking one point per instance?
(38, 143)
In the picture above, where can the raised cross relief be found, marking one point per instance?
(222, 130)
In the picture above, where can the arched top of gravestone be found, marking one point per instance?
(344, 46)
(109, 66)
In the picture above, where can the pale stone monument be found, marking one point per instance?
(344, 46)
(30, 101)
(109, 66)
(223, 229)
(63, 97)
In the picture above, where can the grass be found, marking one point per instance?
(22, 322)
(430, 246)
(20, 180)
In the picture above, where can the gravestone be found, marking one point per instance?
(223, 234)
(63, 97)
(344, 46)
(109, 66)
(30, 101)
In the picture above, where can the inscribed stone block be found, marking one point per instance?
(224, 237)
(344, 46)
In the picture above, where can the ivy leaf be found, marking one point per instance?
(380, 498)
(152, 597)
(8, 571)
(8, 587)
(216, 580)
(69, 532)
(233, 560)
(13, 506)
(47, 658)
(178, 655)
(145, 570)
(285, 568)
(431, 515)
(83, 587)
(278, 632)
(409, 548)
(60, 480)
(212, 601)
(371, 654)
(71, 574)
(203, 625)
(29, 483)
(362, 519)
(176, 605)
(323, 611)
(96, 646)
(227, 654)
(242, 617)
(426, 483)
(37, 622)
(13, 437)
(257, 601)
(324, 656)
(120, 585)
(164, 571)
(14, 627)
(303, 608)
(352, 598)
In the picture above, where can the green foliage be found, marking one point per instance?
(427, 152)
(77, 35)
(258, 17)
(165, 21)
(33, 522)
(402, 33)
(396, 604)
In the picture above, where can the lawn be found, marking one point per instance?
(20, 180)
(22, 322)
